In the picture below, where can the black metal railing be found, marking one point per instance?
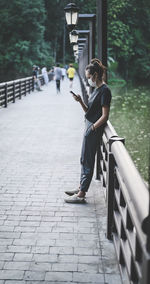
(12, 90)
(127, 199)
(127, 196)
(128, 206)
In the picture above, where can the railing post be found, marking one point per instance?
(146, 230)
(29, 86)
(98, 166)
(110, 194)
(32, 84)
(148, 233)
(146, 255)
(148, 237)
(20, 90)
(110, 186)
(6, 95)
(14, 98)
(25, 88)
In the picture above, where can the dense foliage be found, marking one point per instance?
(21, 37)
(130, 117)
(34, 32)
(129, 38)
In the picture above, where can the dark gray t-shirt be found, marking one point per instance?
(100, 97)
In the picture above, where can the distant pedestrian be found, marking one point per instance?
(51, 74)
(96, 115)
(58, 76)
(63, 73)
(45, 75)
(37, 84)
(71, 72)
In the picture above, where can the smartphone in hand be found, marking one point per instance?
(74, 94)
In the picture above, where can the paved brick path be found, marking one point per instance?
(43, 239)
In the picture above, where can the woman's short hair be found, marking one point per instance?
(96, 66)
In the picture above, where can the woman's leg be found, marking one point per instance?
(86, 176)
(89, 148)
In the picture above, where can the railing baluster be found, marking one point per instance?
(98, 167)
(110, 187)
(6, 95)
(148, 218)
(20, 90)
(14, 98)
(29, 86)
(32, 84)
(110, 194)
(25, 88)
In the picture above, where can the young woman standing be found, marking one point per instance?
(96, 115)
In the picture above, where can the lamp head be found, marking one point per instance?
(71, 13)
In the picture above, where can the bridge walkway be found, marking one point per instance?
(43, 239)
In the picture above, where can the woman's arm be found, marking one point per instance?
(103, 118)
(79, 99)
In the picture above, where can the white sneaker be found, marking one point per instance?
(75, 199)
(72, 192)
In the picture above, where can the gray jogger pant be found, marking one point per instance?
(89, 147)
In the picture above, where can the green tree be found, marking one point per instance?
(129, 37)
(140, 61)
(22, 37)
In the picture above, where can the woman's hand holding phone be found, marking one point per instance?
(76, 97)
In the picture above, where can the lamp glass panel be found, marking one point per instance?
(74, 38)
(68, 18)
(75, 47)
(74, 18)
